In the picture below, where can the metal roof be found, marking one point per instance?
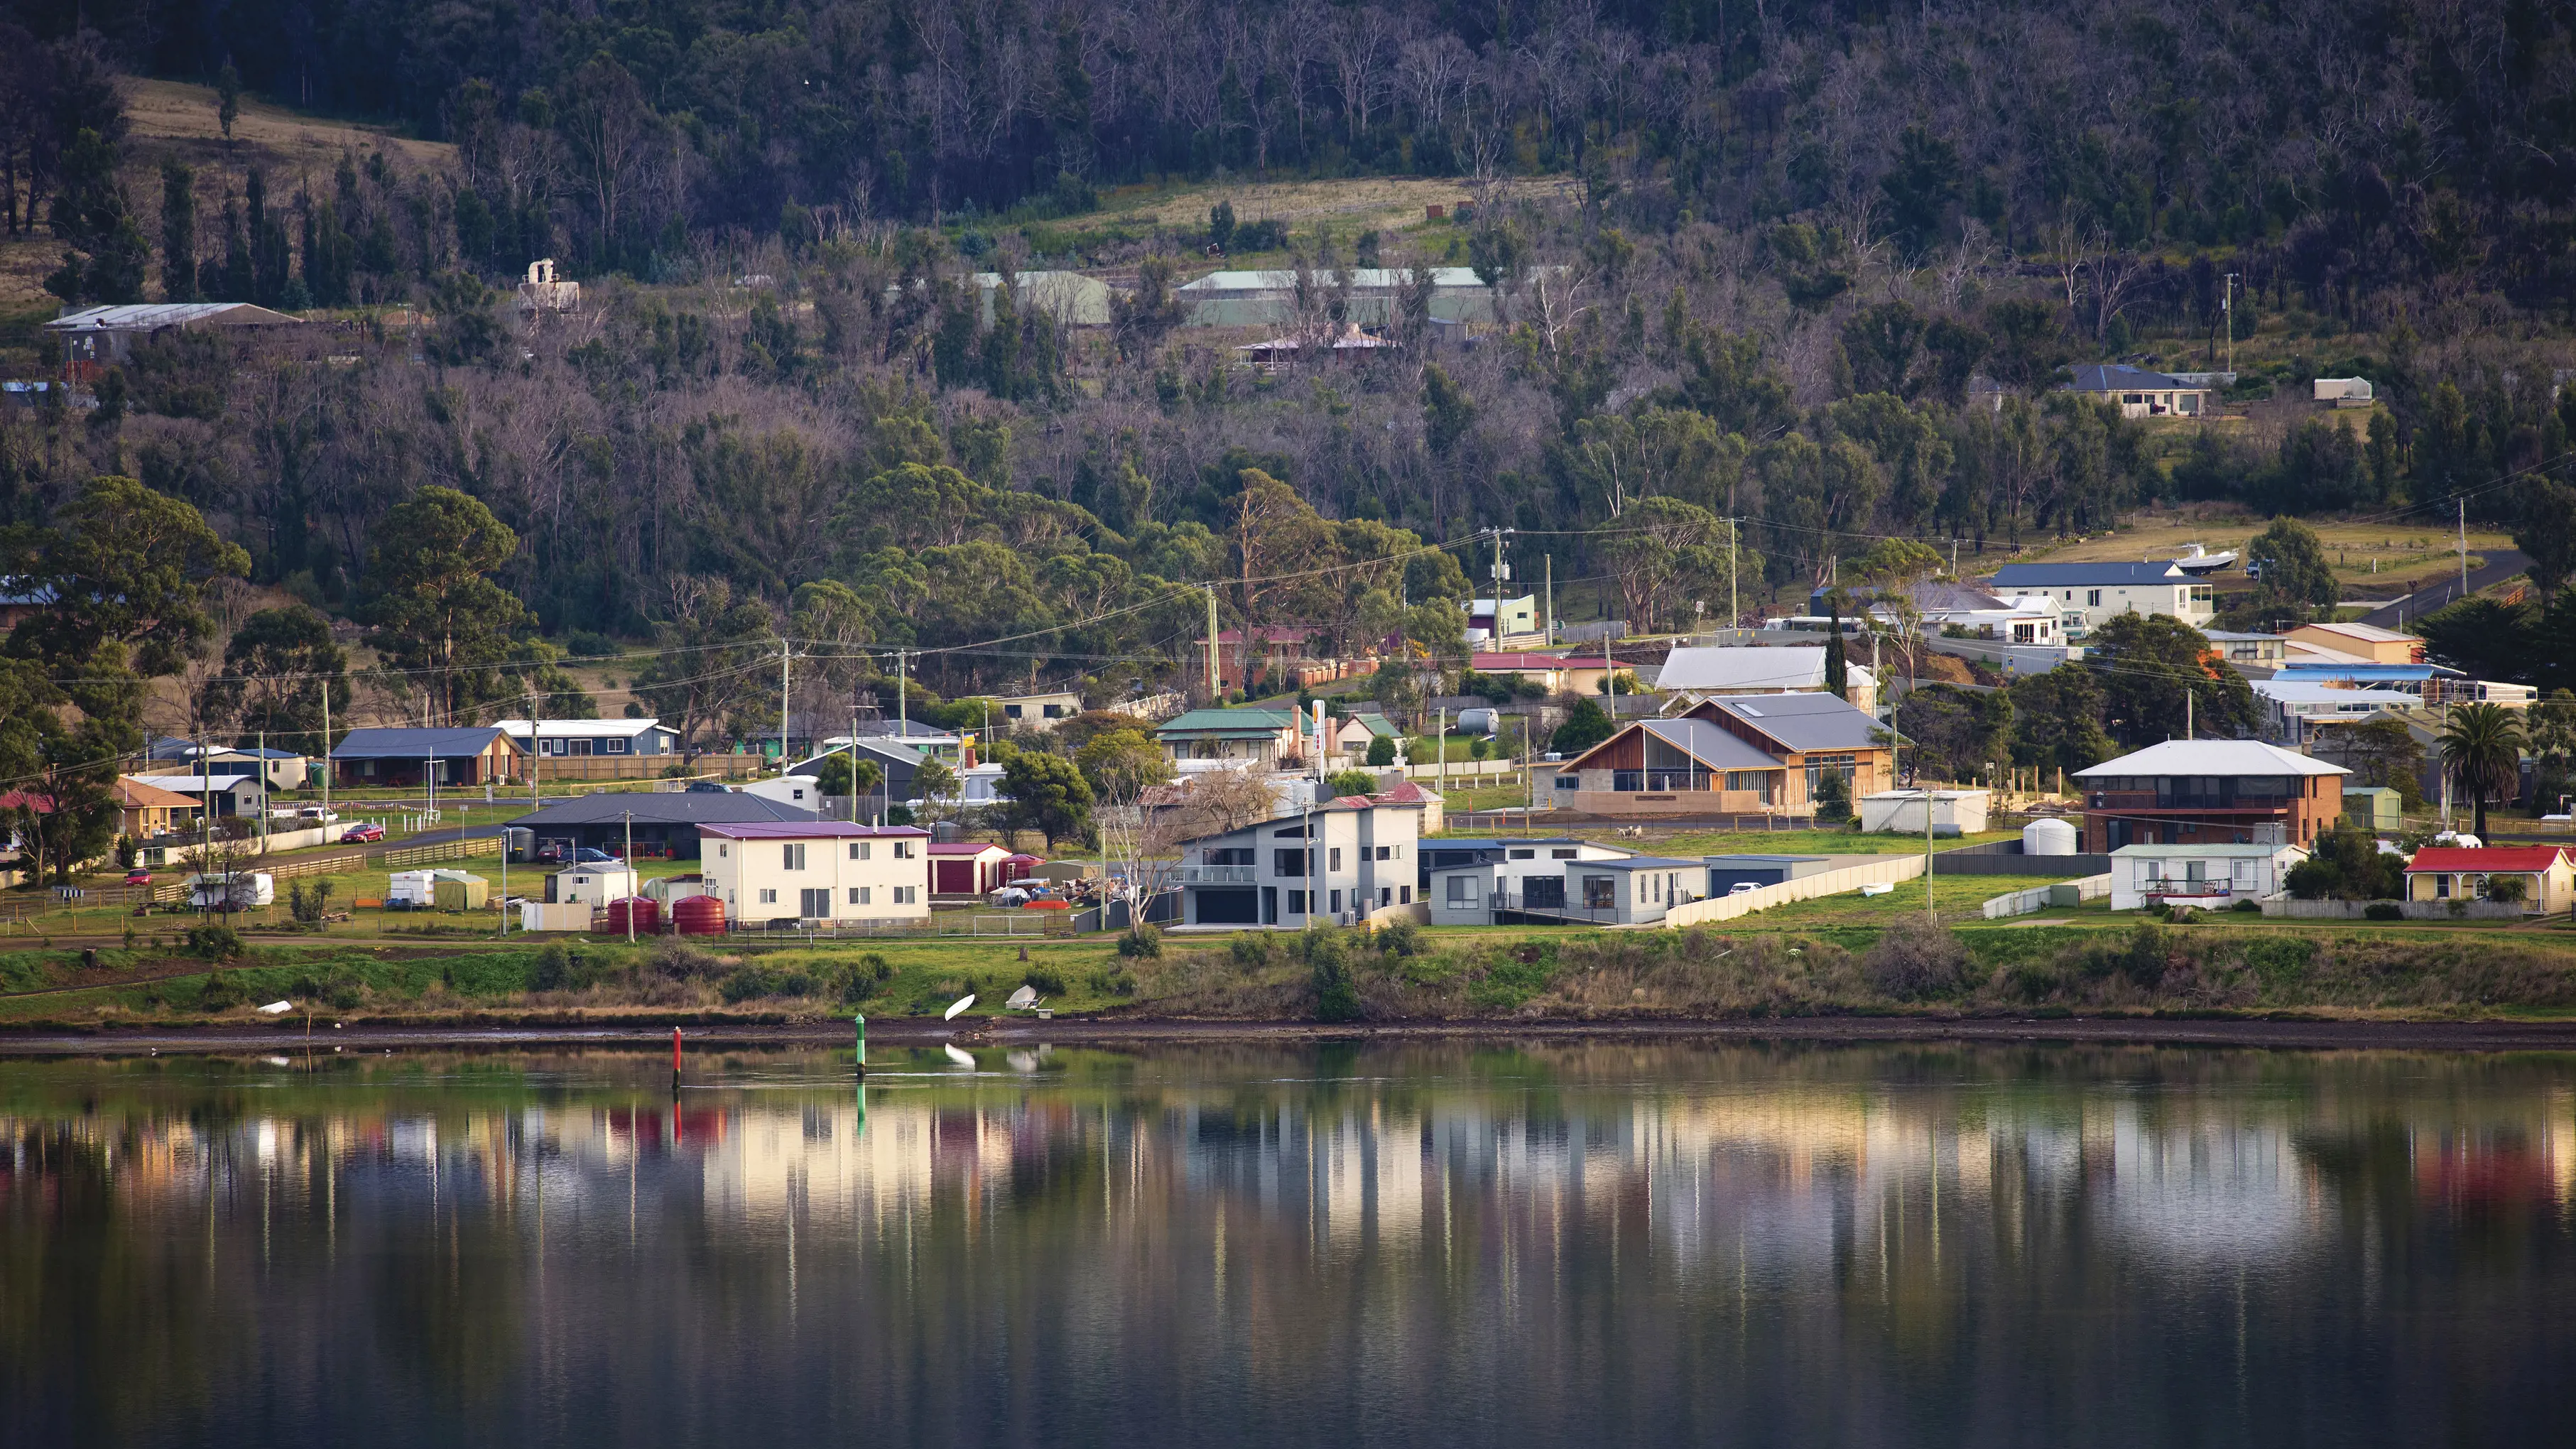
(151, 316)
(416, 744)
(580, 729)
(1229, 722)
(1708, 744)
(2088, 575)
(2203, 852)
(686, 807)
(1797, 666)
(2117, 377)
(801, 830)
(2211, 757)
(1804, 722)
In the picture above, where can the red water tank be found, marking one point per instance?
(647, 912)
(698, 916)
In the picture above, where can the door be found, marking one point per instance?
(814, 905)
(1270, 905)
(1543, 892)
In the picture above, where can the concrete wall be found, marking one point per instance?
(2038, 898)
(2297, 910)
(1866, 870)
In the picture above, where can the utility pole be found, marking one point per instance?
(854, 764)
(902, 701)
(1551, 598)
(630, 870)
(1733, 610)
(782, 706)
(1212, 687)
(263, 790)
(2227, 308)
(2464, 548)
(326, 749)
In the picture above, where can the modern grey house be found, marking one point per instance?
(1336, 863)
(1481, 882)
(572, 738)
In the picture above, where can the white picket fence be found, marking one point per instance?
(1875, 870)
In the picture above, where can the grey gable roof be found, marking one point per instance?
(1710, 745)
(1803, 722)
(2118, 377)
(2088, 575)
(667, 808)
(415, 744)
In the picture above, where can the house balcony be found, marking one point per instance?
(1202, 875)
(2156, 890)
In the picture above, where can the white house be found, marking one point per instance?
(2210, 877)
(1038, 711)
(2089, 595)
(1338, 862)
(2297, 708)
(817, 871)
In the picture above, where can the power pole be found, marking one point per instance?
(854, 764)
(2227, 308)
(1212, 686)
(782, 706)
(902, 702)
(1551, 598)
(326, 749)
(2464, 548)
(1733, 610)
(630, 868)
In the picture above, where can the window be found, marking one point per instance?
(1386, 852)
(1287, 862)
(814, 905)
(1385, 896)
(858, 850)
(2093, 597)
(1404, 894)
(612, 747)
(720, 851)
(859, 895)
(1236, 855)
(1296, 903)
(1462, 890)
(1569, 782)
(907, 895)
(1333, 860)
(903, 850)
(1600, 892)
(1054, 711)
(1337, 903)
(795, 855)
(1010, 711)
(769, 898)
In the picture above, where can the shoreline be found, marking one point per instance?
(2294, 1034)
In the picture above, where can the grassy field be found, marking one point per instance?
(2400, 554)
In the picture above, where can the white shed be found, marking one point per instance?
(2343, 392)
(1954, 812)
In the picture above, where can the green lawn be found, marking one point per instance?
(1958, 899)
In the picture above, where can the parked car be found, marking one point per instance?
(549, 851)
(138, 876)
(361, 833)
(588, 856)
(705, 787)
(319, 815)
(1742, 887)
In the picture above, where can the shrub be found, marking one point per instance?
(2507, 888)
(1113, 983)
(214, 943)
(1351, 782)
(742, 984)
(1252, 950)
(2383, 911)
(680, 961)
(554, 969)
(1833, 798)
(1915, 958)
(875, 967)
(1045, 981)
(1141, 944)
(2247, 907)
(1402, 938)
(1381, 753)
(221, 993)
(2181, 915)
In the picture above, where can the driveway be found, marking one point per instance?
(2501, 564)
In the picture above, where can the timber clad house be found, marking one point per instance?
(2209, 792)
(405, 759)
(1740, 754)
(1223, 738)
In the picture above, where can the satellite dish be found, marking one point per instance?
(1023, 999)
(957, 1057)
(278, 1008)
(959, 1008)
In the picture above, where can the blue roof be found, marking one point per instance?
(415, 744)
(2115, 377)
(2088, 575)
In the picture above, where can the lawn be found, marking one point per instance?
(1958, 899)
(2399, 553)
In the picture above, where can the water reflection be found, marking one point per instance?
(1445, 1244)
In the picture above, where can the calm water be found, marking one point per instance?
(1416, 1246)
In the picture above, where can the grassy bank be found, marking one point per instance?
(1828, 961)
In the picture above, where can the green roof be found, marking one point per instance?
(1247, 723)
(1380, 726)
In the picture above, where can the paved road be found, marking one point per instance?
(2501, 564)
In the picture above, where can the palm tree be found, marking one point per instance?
(2482, 751)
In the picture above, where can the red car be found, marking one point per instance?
(138, 876)
(365, 830)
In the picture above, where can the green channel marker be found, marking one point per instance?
(859, 1023)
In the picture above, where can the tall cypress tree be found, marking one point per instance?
(178, 232)
(1837, 672)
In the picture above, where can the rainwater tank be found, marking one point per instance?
(698, 916)
(1476, 721)
(2048, 837)
(647, 912)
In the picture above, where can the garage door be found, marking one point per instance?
(1227, 908)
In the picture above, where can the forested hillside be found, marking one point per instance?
(1820, 269)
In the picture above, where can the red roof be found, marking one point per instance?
(1506, 663)
(2449, 858)
(1404, 792)
(27, 799)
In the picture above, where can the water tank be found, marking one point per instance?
(1476, 721)
(698, 916)
(2048, 837)
(647, 912)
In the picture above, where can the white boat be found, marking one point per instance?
(2197, 561)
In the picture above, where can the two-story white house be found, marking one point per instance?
(1335, 863)
(2089, 595)
(816, 871)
